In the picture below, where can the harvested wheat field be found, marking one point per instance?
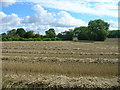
(60, 64)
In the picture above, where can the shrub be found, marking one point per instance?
(39, 39)
(46, 39)
(9, 39)
(15, 39)
(53, 39)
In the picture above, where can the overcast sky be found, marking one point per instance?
(40, 15)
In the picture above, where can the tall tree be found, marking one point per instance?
(59, 35)
(11, 32)
(21, 32)
(81, 32)
(37, 36)
(50, 33)
(114, 34)
(98, 30)
(68, 35)
(29, 34)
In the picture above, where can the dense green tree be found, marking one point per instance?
(50, 33)
(81, 33)
(46, 39)
(68, 35)
(3, 34)
(29, 34)
(37, 36)
(59, 35)
(98, 30)
(9, 36)
(11, 32)
(21, 32)
(114, 34)
(15, 38)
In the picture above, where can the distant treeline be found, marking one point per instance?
(114, 34)
(97, 30)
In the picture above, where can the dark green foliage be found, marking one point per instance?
(21, 32)
(29, 34)
(50, 33)
(3, 34)
(37, 36)
(67, 35)
(12, 32)
(98, 30)
(30, 39)
(81, 33)
(46, 39)
(59, 35)
(114, 34)
(53, 39)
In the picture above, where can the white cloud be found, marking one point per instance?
(42, 17)
(9, 21)
(37, 28)
(62, 29)
(94, 7)
(44, 20)
(6, 2)
(66, 20)
(37, 1)
(108, 1)
(2, 15)
(98, 7)
(43, 28)
(113, 25)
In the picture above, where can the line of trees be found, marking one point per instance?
(97, 30)
(114, 34)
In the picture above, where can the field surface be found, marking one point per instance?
(60, 64)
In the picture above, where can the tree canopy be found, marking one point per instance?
(29, 34)
(50, 33)
(114, 34)
(97, 30)
(81, 33)
(21, 32)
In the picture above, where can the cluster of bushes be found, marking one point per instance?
(114, 34)
(97, 30)
(22, 35)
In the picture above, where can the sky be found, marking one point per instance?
(41, 15)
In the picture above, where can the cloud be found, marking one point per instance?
(94, 7)
(102, 1)
(41, 17)
(43, 20)
(9, 21)
(61, 19)
(43, 28)
(37, 1)
(66, 20)
(113, 25)
(7, 2)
